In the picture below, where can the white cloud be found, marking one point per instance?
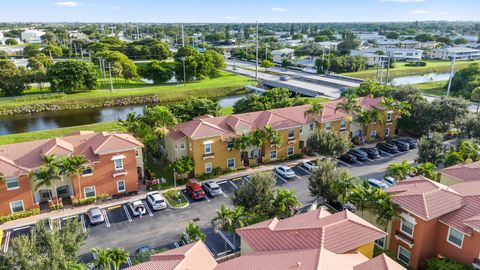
(115, 8)
(67, 4)
(402, 1)
(279, 9)
(230, 17)
(419, 11)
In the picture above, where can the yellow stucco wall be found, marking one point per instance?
(282, 149)
(367, 250)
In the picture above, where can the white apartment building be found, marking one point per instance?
(460, 53)
(32, 36)
(279, 55)
(372, 58)
(399, 54)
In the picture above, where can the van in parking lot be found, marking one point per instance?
(156, 200)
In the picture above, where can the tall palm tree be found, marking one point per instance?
(131, 122)
(238, 217)
(358, 197)
(272, 135)
(103, 258)
(401, 107)
(257, 138)
(223, 220)
(364, 118)
(285, 203)
(44, 177)
(73, 166)
(399, 171)
(343, 185)
(161, 118)
(118, 256)
(242, 143)
(428, 170)
(350, 105)
(194, 233)
(385, 209)
(315, 110)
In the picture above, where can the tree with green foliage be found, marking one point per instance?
(443, 264)
(329, 144)
(424, 38)
(475, 97)
(399, 171)
(385, 209)
(428, 170)
(430, 149)
(223, 220)
(452, 157)
(161, 119)
(350, 105)
(31, 50)
(71, 75)
(52, 51)
(12, 79)
(183, 165)
(350, 42)
(192, 233)
(217, 58)
(118, 256)
(158, 72)
(392, 35)
(121, 64)
(465, 81)
(343, 185)
(285, 204)
(197, 65)
(267, 64)
(103, 258)
(74, 166)
(272, 136)
(11, 42)
(193, 107)
(270, 99)
(321, 179)
(460, 41)
(255, 194)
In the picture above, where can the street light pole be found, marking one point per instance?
(256, 55)
(184, 73)
(110, 71)
(452, 71)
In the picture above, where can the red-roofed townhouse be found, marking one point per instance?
(115, 163)
(460, 173)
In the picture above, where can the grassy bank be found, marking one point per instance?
(432, 88)
(47, 134)
(401, 69)
(226, 84)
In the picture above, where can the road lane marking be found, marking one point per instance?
(233, 184)
(84, 226)
(148, 209)
(127, 213)
(107, 221)
(344, 163)
(305, 170)
(226, 239)
(7, 241)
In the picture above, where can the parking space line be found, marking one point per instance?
(176, 244)
(222, 182)
(107, 221)
(21, 228)
(344, 163)
(50, 225)
(206, 198)
(281, 178)
(226, 239)
(224, 195)
(82, 219)
(7, 241)
(370, 159)
(148, 209)
(128, 214)
(359, 162)
(59, 224)
(388, 154)
(129, 261)
(233, 184)
(305, 170)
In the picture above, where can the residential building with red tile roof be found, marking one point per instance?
(115, 163)
(460, 173)
(209, 140)
(436, 220)
(316, 240)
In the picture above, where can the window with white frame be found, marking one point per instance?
(273, 154)
(207, 148)
(343, 125)
(290, 151)
(230, 144)
(373, 134)
(121, 186)
(406, 227)
(231, 163)
(12, 183)
(291, 133)
(16, 206)
(380, 242)
(208, 167)
(118, 164)
(389, 116)
(403, 255)
(87, 172)
(182, 146)
(328, 126)
(387, 132)
(90, 192)
(455, 237)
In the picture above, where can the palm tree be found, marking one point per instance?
(401, 107)
(365, 119)
(315, 110)
(161, 118)
(74, 166)
(242, 143)
(193, 233)
(358, 196)
(399, 171)
(272, 135)
(131, 122)
(343, 185)
(428, 170)
(475, 96)
(349, 105)
(223, 220)
(285, 203)
(44, 177)
(103, 258)
(385, 209)
(238, 217)
(118, 256)
(257, 138)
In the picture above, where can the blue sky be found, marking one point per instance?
(237, 10)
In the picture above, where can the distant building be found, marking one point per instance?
(331, 45)
(372, 58)
(279, 55)
(77, 35)
(399, 54)
(460, 53)
(32, 36)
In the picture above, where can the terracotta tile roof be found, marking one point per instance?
(283, 118)
(338, 233)
(464, 172)
(425, 198)
(381, 262)
(192, 256)
(20, 158)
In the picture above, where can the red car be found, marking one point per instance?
(195, 191)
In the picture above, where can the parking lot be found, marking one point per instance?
(162, 228)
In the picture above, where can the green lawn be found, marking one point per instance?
(226, 110)
(432, 88)
(172, 197)
(226, 84)
(46, 134)
(401, 70)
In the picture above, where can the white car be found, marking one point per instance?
(156, 200)
(310, 164)
(285, 171)
(138, 208)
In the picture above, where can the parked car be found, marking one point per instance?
(411, 142)
(284, 78)
(359, 154)
(349, 158)
(377, 183)
(195, 191)
(138, 208)
(340, 207)
(310, 164)
(156, 200)
(402, 145)
(142, 249)
(212, 188)
(388, 147)
(390, 181)
(285, 171)
(372, 152)
(95, 215)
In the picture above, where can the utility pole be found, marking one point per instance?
(110, 71)
(381, 71)
(183, 37)
(388, 67)
(184, 73)
(266, 51)
(323, 56)
(138, 33)
(452, 72)
(256, 55)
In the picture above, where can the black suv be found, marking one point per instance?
(402, 145)
(359, 154)
(388, 147)
(411, 142)
(372, 152)
(349, 158)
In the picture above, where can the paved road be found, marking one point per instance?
(162, 228)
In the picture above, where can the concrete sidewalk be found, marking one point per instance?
(141, 195)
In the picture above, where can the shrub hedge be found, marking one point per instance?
(23, 214)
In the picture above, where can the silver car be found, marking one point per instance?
(285, 171)
(95, 215)
(156, 200)
(212, 188)
(138, 208)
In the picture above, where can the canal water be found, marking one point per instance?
(428, 77)
(19, 123)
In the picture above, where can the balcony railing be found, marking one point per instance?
(208, 156)
(405, 239)
(121, 172)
